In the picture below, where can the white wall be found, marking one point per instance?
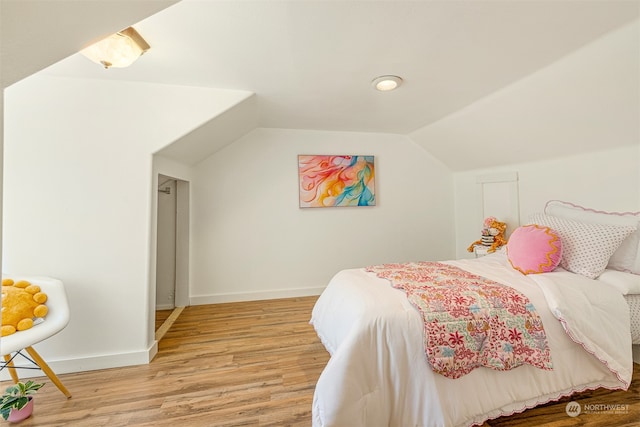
(253, 241)
(606, 180)
(77, 197)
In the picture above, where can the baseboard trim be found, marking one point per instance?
(166, 325)
(82, 364)
(254, 296)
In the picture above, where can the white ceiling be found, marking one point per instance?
(310, 63)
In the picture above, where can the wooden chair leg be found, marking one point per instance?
(47, 370)
(12, 370)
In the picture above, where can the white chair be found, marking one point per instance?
(56, 320)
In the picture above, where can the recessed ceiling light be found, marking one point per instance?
(385, 83)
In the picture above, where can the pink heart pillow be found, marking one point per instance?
(534, 249)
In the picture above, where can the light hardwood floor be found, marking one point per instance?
(245, 364)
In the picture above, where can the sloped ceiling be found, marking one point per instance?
(310, 63)
(38, 33)
(587, 101)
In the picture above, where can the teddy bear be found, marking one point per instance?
(21, 303)
(493, 235)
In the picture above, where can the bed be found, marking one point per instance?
(379, 373)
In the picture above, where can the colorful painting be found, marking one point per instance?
(327, 181)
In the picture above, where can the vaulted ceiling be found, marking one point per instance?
(310, 63)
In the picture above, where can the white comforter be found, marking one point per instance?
(378, 374)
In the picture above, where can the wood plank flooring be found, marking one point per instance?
(245, 364)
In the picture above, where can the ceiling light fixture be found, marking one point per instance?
(386, 83)
(118, 50)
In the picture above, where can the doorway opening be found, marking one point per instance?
(172, 252)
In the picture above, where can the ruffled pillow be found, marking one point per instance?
(534, 249)
(586, 248)
(627, 256)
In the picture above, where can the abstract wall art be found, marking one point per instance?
(331, 181)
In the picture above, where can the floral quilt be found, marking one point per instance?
(470, 321)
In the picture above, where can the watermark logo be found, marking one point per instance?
(606, 409)
(573, 409)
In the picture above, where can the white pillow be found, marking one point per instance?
(625, 283)
(627, 256)
(586, 248)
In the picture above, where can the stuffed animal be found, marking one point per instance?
(21, 302)
(492, 235)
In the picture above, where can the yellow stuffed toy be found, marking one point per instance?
(493, 235)
(21, 302)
